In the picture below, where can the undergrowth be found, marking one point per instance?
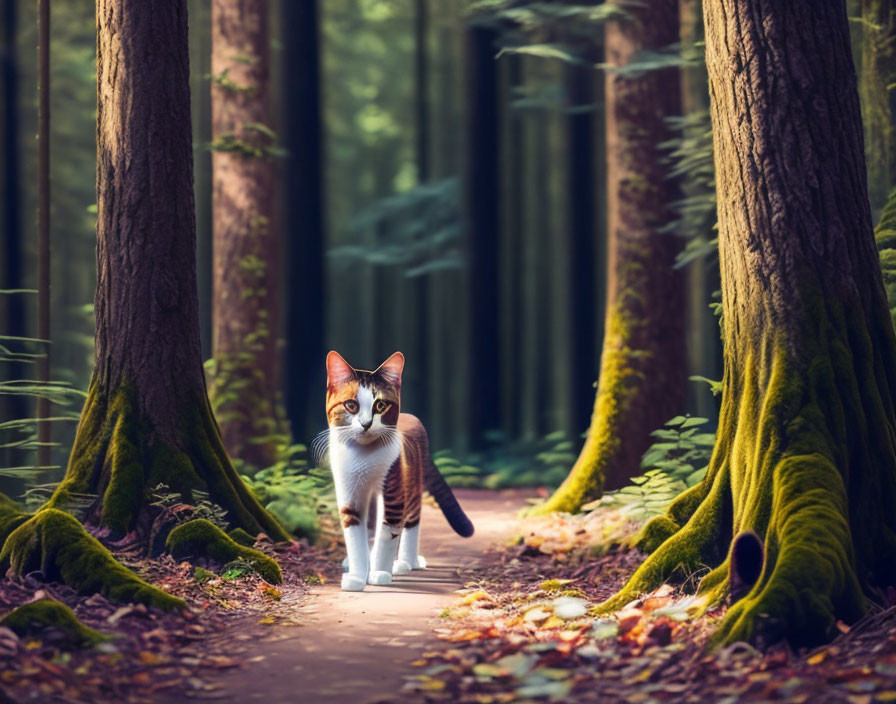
(296, 492)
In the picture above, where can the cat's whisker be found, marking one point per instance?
(320, 446)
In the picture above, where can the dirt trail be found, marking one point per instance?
(358, 646)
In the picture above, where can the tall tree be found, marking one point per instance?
(304, 248)
(43, 226)
(482, 203)
(147, 419)
(419, 323)
(245, 391)
(12, 196)
(876, 76)
(642, 371)
(806, 447)
(697, 216)
(585, 148)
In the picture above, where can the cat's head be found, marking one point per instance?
(363, 405)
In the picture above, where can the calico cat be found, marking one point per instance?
(381, 464)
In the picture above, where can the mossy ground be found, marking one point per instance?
(116, 456)
(200, 538)
(37, 617)
(57, 545)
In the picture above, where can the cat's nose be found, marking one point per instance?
(367, 425)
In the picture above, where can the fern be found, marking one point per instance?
(677, 461)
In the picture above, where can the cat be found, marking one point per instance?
(381, 464)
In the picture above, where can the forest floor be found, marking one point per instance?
(502, 617)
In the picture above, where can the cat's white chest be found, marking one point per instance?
(361, 468)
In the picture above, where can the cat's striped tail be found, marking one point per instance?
(439, 490)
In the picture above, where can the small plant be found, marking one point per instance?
(202, 575)
(237, 569)
(678, 461)
(542, 462)
(296, 492)
(172, 503)
(19, 436)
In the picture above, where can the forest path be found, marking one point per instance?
(358, 646)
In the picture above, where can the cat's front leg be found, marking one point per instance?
(355, 531)
(385, 548)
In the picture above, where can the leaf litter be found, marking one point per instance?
(152, 654)
(523, 630)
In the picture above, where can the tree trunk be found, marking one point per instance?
(199, 13)
(482, 192)
(147, 419)
(12, 197)
(419, 287)
(305, 309)
(583, 150)
(642, 372)
(43, 227)
(876, 75)
(245, 391)
(805, 452)
(704, 347)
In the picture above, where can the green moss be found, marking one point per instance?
(241, 537)
(55, 544)
(200, 538)
(174, 469)
(115, 456)
(36, 618)
(11, 517)
(124, 492)
(88, 450)
(202, 575)
(655, 533)
(225, 486)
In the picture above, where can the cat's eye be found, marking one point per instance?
(351, 406)
(380, 406)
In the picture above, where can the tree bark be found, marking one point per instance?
(419, 322)
(147, 419)
(12, 197)
(584, 147)
(43, 227)
(482, 202)
(305, 310)
(806, 448)
(643, 369)
(245, 390)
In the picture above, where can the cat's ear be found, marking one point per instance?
(338, 370)
(391, 369)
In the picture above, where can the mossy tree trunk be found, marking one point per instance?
(245, 391)
(805, 453)
(643, 367)
(147, 419)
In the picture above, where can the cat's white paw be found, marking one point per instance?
(379, 577)
(351, 583)
(401, 567)
(420, 563)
